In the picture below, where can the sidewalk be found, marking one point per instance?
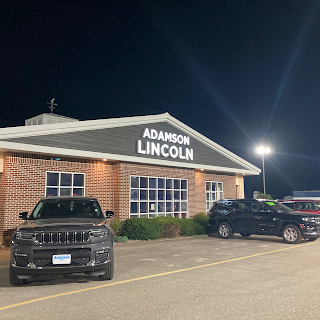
(5, 254)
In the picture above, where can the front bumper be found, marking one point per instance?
(37, 260)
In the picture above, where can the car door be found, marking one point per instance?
(264, 219)
(242, 217)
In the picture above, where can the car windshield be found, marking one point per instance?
(277, 206)
(67, 209)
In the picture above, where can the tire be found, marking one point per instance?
(311, 239)
(225, 230)
(108, 275)
(245, 234)
(291, 234)
(14, 280)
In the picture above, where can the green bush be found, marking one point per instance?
(141, 229)
(120, 238)
(201, 218)
(115, 226)
(187, 227)
(199, 229)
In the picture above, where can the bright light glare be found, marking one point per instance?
(263, 150)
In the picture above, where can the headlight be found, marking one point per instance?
(25, 235)
(309, 219)
(99, 233)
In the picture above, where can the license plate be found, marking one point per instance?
(61, 259)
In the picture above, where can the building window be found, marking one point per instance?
(153, 197)
(214, 192)
(65, 184)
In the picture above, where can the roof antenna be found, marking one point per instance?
(52, 105)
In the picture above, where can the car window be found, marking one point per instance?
(304, 206)
(259, 207)
(317, 205)
(242, 205)
(289, 204)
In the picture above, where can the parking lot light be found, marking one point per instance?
(263, 150)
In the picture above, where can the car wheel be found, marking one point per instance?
(245, 234)
(225, 230)
(108, 275)
(14, 280)
(312, 239)
(291, 234)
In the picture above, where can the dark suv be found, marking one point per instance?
(264, 217)
(62, 235)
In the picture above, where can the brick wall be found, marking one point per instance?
(22, 184)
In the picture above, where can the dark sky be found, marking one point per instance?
(240, 72)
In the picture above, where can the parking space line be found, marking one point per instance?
(151, 276)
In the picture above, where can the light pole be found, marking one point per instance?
(263, 151)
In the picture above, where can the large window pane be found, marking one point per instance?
(152, 194)
(66, 179)
(152, 183)
(143, 207)
(52, 192)
(176, 184)
(168, 195)
(143, 182)
(160, 183)
(160, 194)
(152, 206)
(78, 180)
(160, 206)
(184, 184)
(134, 182)
(168, 206)
(143, 195)
(65, 191)
(169, 184)
(134, 207)
(78, 191)
(134, 194)
(176, 195)
(52, 179)
(184, 195)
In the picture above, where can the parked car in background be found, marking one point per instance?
(263, 217)
(62, 235)
(312, 206)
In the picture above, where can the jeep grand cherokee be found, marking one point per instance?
(263, 217)
(62, 235)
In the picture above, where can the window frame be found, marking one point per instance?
(165, 196)
(59, 186)
(210, 202)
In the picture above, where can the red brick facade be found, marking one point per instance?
(22, 184)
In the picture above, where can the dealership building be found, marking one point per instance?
(144, 166)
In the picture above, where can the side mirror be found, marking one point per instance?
(109, 214)
(23, 215)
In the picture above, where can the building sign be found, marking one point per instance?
(162, 149)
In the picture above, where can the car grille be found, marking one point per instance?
(76, 262)
(101, 256)
(62, 237)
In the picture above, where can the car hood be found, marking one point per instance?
(301, 214)
(68, 223)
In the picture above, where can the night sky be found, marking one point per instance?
(241, 73)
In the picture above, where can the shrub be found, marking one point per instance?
(115, 226)
(171, 230)
(201, 218)
(187, 227)
(199, 229)
(120, 238)
(141, 229)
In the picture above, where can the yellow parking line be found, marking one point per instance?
(150, 276)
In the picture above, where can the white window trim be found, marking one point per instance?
(156, 213)
(59, 186)
(216, 193)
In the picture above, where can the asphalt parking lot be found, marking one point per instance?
(199, 277)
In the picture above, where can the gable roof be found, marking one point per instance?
(117, 139)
